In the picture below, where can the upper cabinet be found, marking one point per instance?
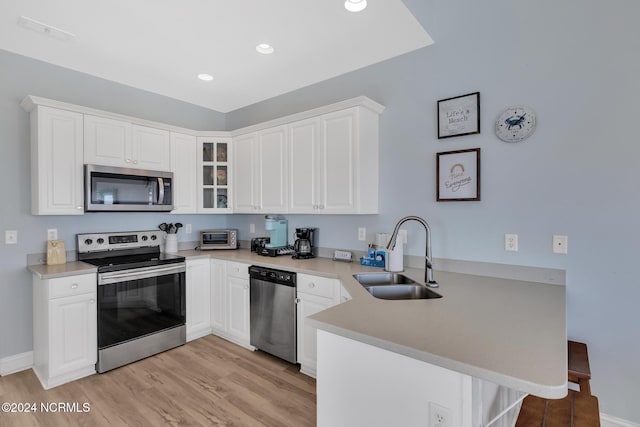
(110, 142)
(56, 162)
(324, 164)
(260, 178)
(334, 163)
(214, 172)
(184, 154)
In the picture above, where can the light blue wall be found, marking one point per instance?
(20, 76)
(576, 63)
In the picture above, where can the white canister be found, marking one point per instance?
(171, 243)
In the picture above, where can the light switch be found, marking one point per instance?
(11, 237)
(560, 244)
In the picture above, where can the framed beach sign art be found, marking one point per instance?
(459, 115)
(458, 175)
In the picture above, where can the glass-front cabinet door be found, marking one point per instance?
(214, 175)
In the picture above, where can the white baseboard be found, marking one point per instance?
(611, 421)
(16, 363)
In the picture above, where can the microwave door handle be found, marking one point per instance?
(160, 191)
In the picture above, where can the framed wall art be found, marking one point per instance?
(458, 175)
(459, 115)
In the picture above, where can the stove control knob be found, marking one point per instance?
(144, 238)
(88, 242)
(100, 241)
(154, 237)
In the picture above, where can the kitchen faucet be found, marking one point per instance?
(428, 266)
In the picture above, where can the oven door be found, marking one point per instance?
(139, 302)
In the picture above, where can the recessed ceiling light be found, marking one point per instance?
(264, 48)
(42, 28)
(205, 77)
(355, 5)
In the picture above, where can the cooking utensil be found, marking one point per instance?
(163, 227)
(178, 226)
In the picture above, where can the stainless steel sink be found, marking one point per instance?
(394, 286)
(375, 279)
(416, 291)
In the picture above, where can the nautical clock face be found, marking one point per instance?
(515, 124)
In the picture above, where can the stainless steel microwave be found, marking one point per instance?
(110, 188)
(219, 239)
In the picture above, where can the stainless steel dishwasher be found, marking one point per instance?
(273, 311)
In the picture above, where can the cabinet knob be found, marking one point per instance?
(74, 286)
(246, 286)
(128, 160)
(312, 285)
(92, 301)
(321, 207)
(79, 207)
(297, 300)
(135, 162)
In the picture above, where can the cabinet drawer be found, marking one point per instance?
(237, 269)
(72, 285)
(320, 286)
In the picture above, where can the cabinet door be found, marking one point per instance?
(244, 175)
(304, 166)
(183, 166)
(238, 309)
(57, 161)
(107, 142)
(198, 290)
(337, 183)
(151, 148)
(218, 297)
(214, 171)
(73, 333)
(308, 305)
(272, 170)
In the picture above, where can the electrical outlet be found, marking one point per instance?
(439, 416)
(560, 244)
(188, 229)
(511, 242)
(11, 237)
(252, 228)
(52, 234)
(402, 237)
(362, 233)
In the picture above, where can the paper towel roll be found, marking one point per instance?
(382, 239)
(395, 259)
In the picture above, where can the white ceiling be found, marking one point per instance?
(161, 45)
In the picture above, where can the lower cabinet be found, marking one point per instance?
(198, 290)
(65, 344)
(230, 301)
(314, 294)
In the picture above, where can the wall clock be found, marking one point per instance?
(516, 123)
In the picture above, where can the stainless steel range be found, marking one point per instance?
(141, 295)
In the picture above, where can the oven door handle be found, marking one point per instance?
(139, 273)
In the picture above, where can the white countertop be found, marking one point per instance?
(509, 332)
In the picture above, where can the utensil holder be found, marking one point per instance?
(171, 243)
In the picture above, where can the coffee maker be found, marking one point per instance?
(304, 243)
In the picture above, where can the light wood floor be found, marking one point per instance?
(207, 382)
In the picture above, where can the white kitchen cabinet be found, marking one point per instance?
(261, 171)
(334, 163)
(56, 162)
(218, 297)
(198, 292)
(110, 142)
(314, 294)
(230, 301)
(184, 152)
(214, 175)
(65, 345)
